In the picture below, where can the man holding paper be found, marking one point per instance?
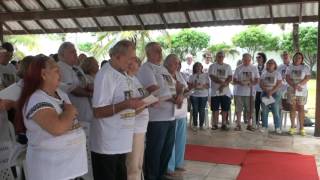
(220, 75)
(111, 133)
(245, 77)
(161, 128)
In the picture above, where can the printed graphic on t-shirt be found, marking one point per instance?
(296, 74)
(141, 91)
(168, 79)
(269, 80)
(8, 79)
(283, 72)
(128, 94)
(221, 73)
(246, 76)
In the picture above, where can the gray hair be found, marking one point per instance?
(121, 47)
(150, 45)
(62, 48)
(169, 58)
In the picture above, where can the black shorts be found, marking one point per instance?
(220, 101)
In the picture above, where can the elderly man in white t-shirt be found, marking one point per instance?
(74, 82)
(246, 76)
(111, 133)
(161, 128)
(187, 66)
(220, 74)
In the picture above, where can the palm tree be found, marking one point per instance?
(228, 50)
(31, 42)
(107, 39)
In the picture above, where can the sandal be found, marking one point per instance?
(250, 128)
(237, 128)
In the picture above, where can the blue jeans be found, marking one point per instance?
(274, 108)
(177, 156)
(198, 107)
(159, 144)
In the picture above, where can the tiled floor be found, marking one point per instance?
(246, 140)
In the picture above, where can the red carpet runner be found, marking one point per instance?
(215, 154)
(258, 164)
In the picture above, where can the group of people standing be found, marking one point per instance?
(63, 105)
(257, 90)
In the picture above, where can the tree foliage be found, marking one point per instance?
(308, 37)
(255, 39)
(228, 50)
(185, 42)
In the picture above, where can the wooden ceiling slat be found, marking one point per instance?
(37, 21)
(180, 25)
(7, 28)
(138, 9)
(76, 22)
(55, 20)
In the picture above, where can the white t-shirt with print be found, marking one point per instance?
(222, 72)
(187, 69)
(74, 77)
(245, 74)
(206, 66)
(181, 112)
(199, 79)
(298, 73)
(152, 74)
(270, 79)
(141, 119)
(112, 135)
(7, 76)
(282, 69)
(48, 154)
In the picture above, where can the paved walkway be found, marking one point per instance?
(246, 140)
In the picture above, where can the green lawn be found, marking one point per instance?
(311, 104)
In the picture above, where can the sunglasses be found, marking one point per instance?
(258, 57)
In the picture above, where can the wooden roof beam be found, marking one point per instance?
(271, 13)
(84, 4)
(241, 15)
(138, 9)
(137, 16)
(6, 8)
(106, 3)
(7, 27)
(181, 25)
(76, 22)
(155, 2)
(26, 9)
(55, 21)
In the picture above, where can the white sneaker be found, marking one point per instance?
(278, 131)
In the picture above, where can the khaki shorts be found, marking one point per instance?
(242, 103)
(293, 99)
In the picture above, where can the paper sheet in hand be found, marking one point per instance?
(11, 93)
(302, 93)
(268, 100)
(150, 100)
